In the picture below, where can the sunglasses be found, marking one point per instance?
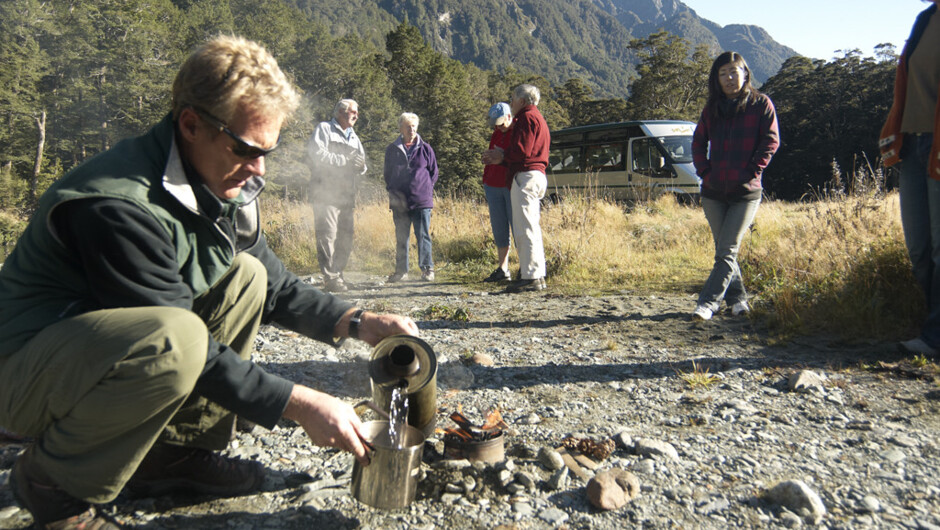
(242, 148)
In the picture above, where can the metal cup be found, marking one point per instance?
(391, 479)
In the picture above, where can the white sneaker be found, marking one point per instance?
(702, 313)
(740, 308)
(917, 347)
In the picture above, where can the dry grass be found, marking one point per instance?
(837, 264)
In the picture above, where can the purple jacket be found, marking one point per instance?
(410, 178)
(730, 154)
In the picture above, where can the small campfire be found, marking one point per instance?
(483, 443)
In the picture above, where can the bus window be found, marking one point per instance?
(641, 155)
(607, 157)
(679, 148)
(565, 160)
(648, 158)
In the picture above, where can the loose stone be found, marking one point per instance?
(609, 490)
(796, 496)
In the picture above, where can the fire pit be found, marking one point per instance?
(477, 444)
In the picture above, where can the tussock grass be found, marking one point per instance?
(837, 264)
(699, 377)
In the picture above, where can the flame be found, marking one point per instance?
(494, 420)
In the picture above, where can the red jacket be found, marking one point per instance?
(891, 139)
(494, 175)
(528, 143)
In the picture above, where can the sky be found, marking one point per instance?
(816, 28)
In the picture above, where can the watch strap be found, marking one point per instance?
(354, 322)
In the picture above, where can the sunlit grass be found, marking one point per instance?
(836, 264)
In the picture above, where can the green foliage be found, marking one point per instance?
(443, 312)
(828, 111)
(673, 83)
(101, 71)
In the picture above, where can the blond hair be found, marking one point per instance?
(229, 71)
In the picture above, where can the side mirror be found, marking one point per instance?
(658, 163)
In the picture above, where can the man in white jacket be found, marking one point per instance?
(338, 159)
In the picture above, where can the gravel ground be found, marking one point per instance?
(705, 416)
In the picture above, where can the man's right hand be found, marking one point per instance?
(359, 161)
(328, 421)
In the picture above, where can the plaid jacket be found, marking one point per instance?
(730, 154)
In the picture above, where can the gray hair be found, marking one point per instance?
(410, 117)
(343, 105)
(530, 93)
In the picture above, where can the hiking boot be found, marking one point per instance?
(526, 286)
(740, 308)
(52, 508)
(168, 468)
(335, 285)
(397, 277)
(427, 275)
(702, 313)
(917, 347)
(499, 275)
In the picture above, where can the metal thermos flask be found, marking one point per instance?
(407, 363)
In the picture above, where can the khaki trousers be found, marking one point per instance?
(97, 390)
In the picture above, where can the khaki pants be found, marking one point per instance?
(528, 188)
(98, 389)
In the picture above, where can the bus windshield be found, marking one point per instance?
(678, 148)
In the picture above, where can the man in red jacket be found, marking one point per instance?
(526, 158)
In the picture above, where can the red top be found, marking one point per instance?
(494, 175)
(529, 142)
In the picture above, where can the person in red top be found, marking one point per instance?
(496, 186)
(526, 158)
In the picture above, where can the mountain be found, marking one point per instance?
(558, 39)
(641, 17)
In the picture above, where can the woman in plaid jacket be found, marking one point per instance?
(734, 140)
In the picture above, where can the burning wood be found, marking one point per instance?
(467, 432)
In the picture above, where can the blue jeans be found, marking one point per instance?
(920, 217)
(729, 221)
(421, 219)
(500, 205)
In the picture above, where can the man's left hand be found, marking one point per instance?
(374, 327)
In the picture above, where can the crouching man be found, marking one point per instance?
(129, 307)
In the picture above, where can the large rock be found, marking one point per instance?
(655, 448)
(806, 381)
(610, 490)
(797, 497)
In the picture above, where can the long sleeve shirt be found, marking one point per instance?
(410, 175)
(891, 138)
(731, 152)
(495, 175)
(331, 151)
(529, 142)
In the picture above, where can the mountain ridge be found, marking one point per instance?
(559, 40)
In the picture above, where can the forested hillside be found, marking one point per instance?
(77, 76)
(559, 39)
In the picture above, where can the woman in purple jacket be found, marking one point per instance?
(410, 175)
(733, 142)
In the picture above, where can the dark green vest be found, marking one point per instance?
(41, 284)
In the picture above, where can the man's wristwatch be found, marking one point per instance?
(354, 322)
